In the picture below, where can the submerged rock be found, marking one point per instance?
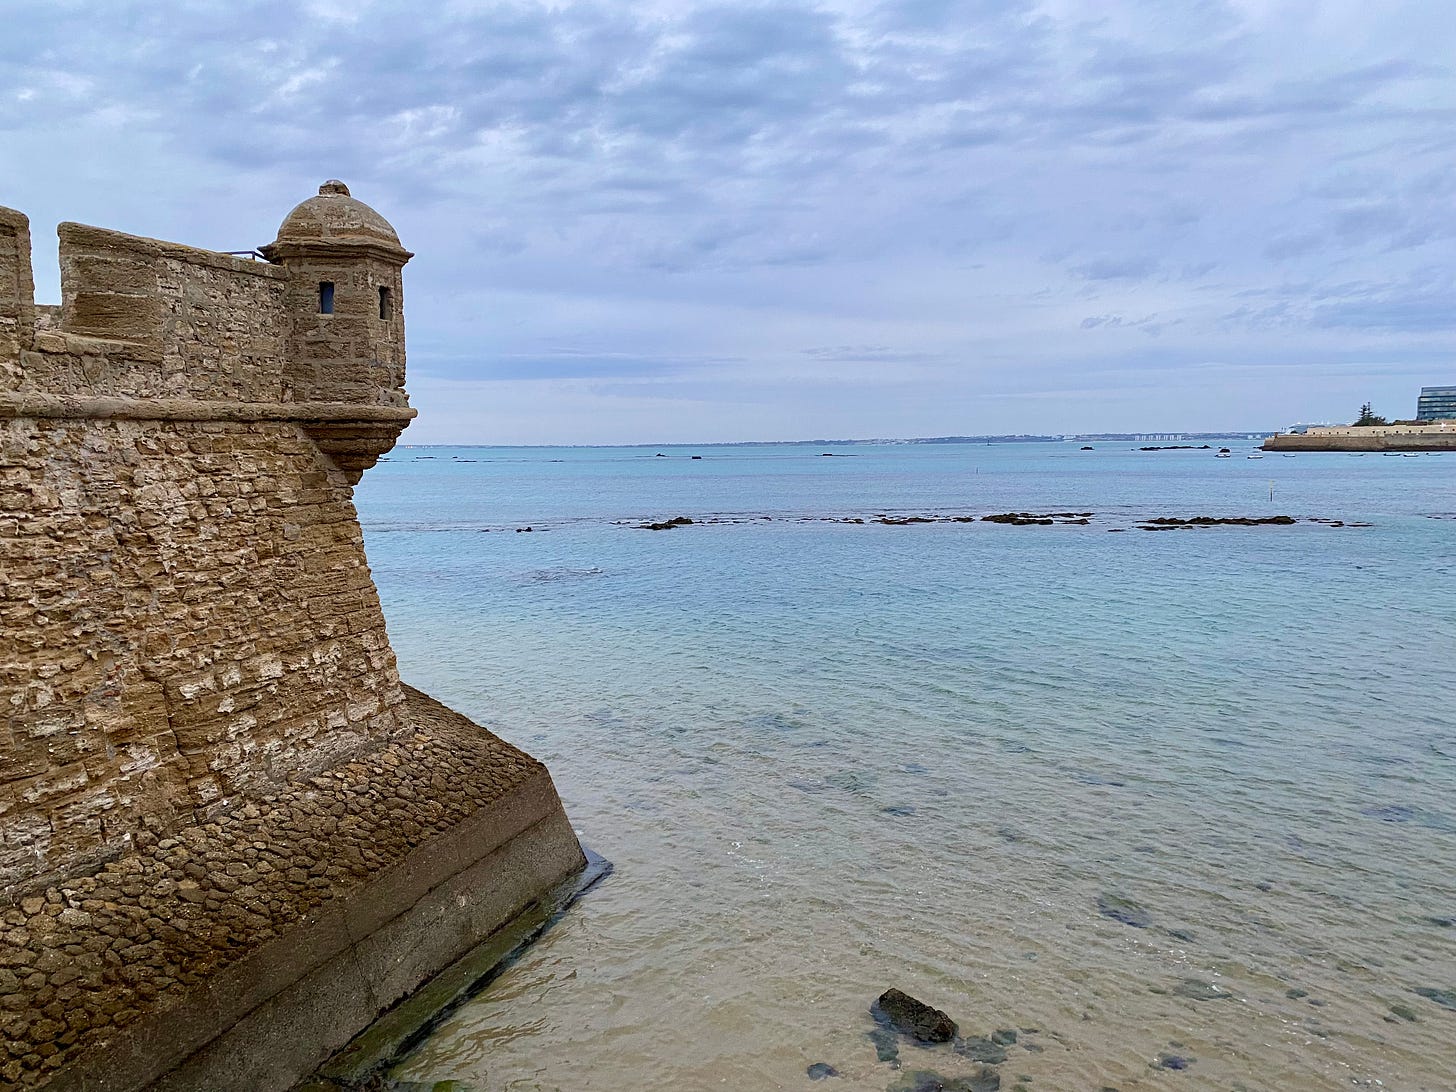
(1172, 1061)
(1195, 989)
(887, 1045)
(979, 1049)
(820, 1070)
(913, 1018)
(1445, 998)
(1123, 910)
(925, 1080)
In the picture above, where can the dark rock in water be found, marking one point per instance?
(808, 786)
(697, 456)
(1405, 1012)
(1004, 1036)
(1445, 998)
(925, 1080)
(1166, 523)
(819, 1070)
(1086, 447)
(1443, 923)
(887, 1045)
(666, 525)
(1195, 989)
(1124, 910)
(902, 810)
(979, 1049)
(1018, 519)
(1088, 778)
(1180, 934)
(914, 1018)
(1402, 813)
(1294, 993)
(1173, 1061)
(659, 455)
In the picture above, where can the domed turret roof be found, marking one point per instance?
(335, 217)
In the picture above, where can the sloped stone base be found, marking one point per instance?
(239, 955)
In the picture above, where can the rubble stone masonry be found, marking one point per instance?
(208, 765)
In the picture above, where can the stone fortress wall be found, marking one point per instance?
(1421, 436)
(190, 640)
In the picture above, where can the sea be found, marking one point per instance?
(1139, 809)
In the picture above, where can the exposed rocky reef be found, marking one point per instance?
(1009, 519)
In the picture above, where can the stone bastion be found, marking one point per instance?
(230, 837)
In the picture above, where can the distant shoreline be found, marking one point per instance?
(1014, 438)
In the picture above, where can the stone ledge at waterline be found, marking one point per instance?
(230, 837)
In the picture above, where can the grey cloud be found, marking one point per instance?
(1148, 324)
(1293, 246)
(1419, 303)
(1113, 269)
(869, 354)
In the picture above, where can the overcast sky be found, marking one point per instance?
(683, 221)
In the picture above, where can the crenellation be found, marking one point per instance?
(109, 288)
(17, 294)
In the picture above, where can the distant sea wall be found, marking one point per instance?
(229, 835)
(1439, 436)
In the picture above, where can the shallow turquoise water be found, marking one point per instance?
(829, 758)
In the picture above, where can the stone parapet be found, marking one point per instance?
(183, 322)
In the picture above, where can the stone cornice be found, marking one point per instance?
(346, 249)
(25, 404)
